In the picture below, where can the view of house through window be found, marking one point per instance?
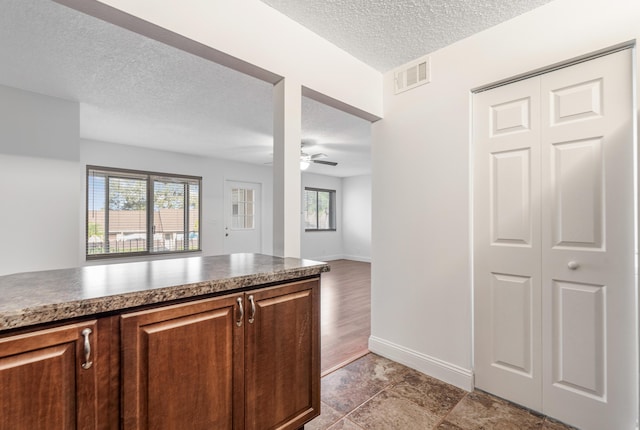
(319, 209)
(131, 212)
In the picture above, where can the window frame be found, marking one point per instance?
(332, 208)
(149, 177)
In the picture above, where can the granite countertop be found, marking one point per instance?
(38, 297)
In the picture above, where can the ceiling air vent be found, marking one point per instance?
(412, 75)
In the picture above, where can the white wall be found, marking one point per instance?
(421, 272)
(38, 181)
(323, 245)
(214, 172)
(356, 218)
(38, 213)
(36, 125)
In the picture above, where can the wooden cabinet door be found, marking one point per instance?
(182, 366)
(43, 382)
(282, 353)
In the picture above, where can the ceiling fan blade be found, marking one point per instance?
(320, 155)
(328, 163)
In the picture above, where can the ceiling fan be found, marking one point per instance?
(307, 159)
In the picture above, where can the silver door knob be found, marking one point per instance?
(573, 265)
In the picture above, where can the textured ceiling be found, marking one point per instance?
(136, 91)
(388, 33)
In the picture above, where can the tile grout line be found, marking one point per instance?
(345, 415)
(385, 388)
(439, 422)
(366, 401)
(443, 419)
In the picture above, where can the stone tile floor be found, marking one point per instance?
(374, 393)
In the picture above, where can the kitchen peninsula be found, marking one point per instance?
(224, 342)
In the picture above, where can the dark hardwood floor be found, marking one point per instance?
(345, 313)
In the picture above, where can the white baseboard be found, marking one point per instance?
(447, 372)
(341, 257)
(327, 258)
(357, 258)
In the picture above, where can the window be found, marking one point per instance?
(242, 207)
(319, 210)
(140, 213)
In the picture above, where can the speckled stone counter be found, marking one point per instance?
(38, 297)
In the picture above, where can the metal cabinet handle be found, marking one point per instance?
(253, 310)
(87, 349)
(241, 308)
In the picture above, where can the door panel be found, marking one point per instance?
(49, 387)
(579, 354)
(577, 179)
(576, 102)
(512, 328)
(588, 227)
(282, 357)
(506, 243)
(182, 366)
(48, 398)
(510, 117)
(510, 197)
(200, 336)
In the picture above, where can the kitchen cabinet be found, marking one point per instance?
(181, 366)
(216, 342)
(57, 378)
(282, 356)
(243, 361)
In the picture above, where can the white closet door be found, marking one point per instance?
(588, 286)
(507, 242)
(554, 229)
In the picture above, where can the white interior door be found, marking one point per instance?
(243, 231)
(588, 290)
(507, 242)
(555, 307)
